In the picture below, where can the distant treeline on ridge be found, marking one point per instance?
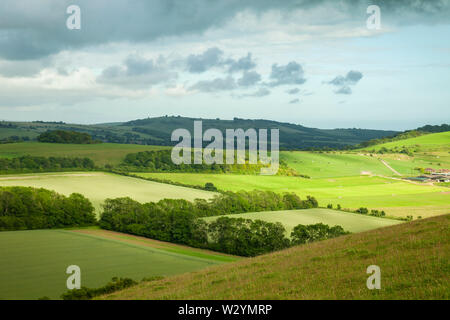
(26, 164)
(62, 136)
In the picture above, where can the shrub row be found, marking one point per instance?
(36, 164)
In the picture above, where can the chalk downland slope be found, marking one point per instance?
(428, 142)
(413, 257)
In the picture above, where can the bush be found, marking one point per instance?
(86, 293)
(305, 234)
(246, 237)
(362, 210)
(210, 187)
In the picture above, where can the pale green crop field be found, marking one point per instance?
(33, 263)
(98, 186)
(289, 219)
(350, 192)
(101, 154)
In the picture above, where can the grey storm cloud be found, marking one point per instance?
(249, 78)
(243, 64)
(214, 58)
(293, 91)
(32, 29)
(198, 63)
(344, 83)
(138, 72)
(292, 73)
(344, 90)
(351, 78)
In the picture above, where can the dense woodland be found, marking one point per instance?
(42, 164)
(179, 221)
(23, 208)
(62, 136)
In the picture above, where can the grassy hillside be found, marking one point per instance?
(413, 257)
(429, 142)
(101, 154)
(350, 192)
(349, 221)
(427, 151)
(34, 262)
(98, 186)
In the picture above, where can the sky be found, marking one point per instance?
(314, 63)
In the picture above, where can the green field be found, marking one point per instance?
(350, 192)
(34, 262)
(101, 154)
(98, 186)
(349, 221)
(413, 257)
(330, 165)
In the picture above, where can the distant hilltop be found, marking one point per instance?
(158, 130)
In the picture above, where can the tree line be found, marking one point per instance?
(179, 221)
(23, 208)
(161, 161)
(37, 163)
(62, 136)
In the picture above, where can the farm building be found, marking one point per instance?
(430, 178)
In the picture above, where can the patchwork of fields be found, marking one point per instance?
(34, 262)
(98, 186)
(350, 192)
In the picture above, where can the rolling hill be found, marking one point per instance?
(413, 257)
(428, 142)
(157, 131)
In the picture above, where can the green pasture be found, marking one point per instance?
(349, 221)
(33, 263)
(98, 186)
(329, 165)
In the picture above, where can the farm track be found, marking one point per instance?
(390, 168)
